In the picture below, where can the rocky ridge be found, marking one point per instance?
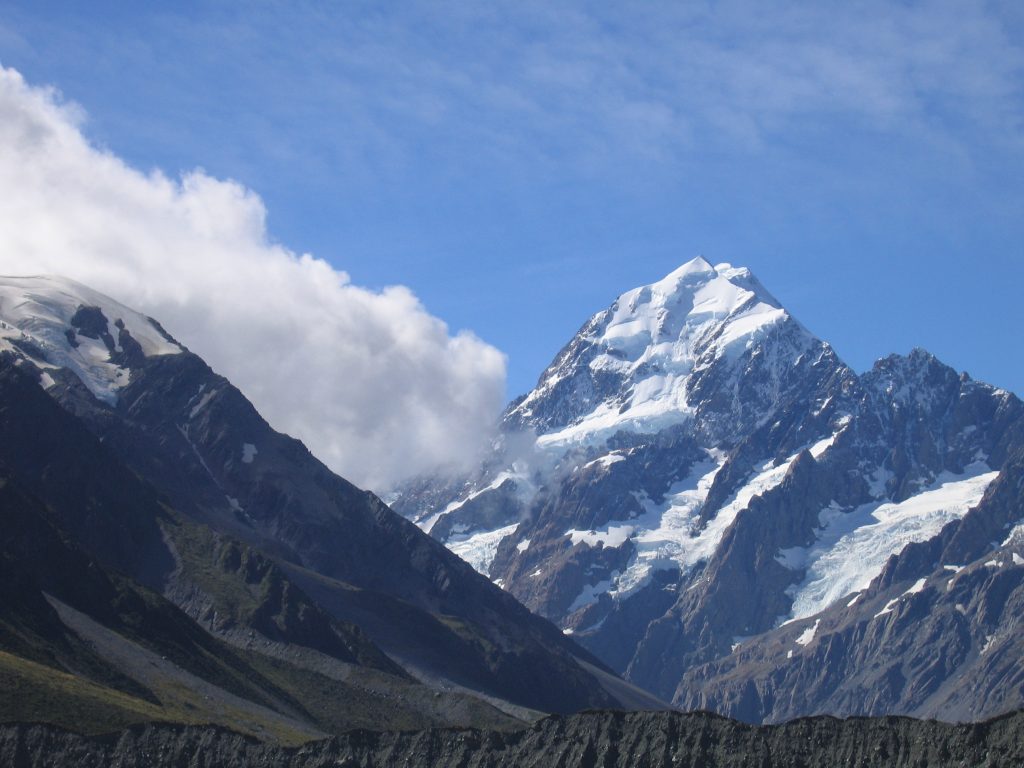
(636, 740)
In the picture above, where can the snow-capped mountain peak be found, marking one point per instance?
(636, 365)
(58, 324)
(695, 470)
(673, 317)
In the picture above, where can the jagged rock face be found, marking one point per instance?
(168, 474)
(937, 634)
(695, 469)
(636, 740)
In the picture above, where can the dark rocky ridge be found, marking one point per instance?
(342, 546)
(606, 739)
(180, 442)
(87, 648)
(168, 557)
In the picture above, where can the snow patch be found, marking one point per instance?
(589, 594)
(666, 534)
(522, 546)
(1016, 536)
(495, 483)
(607, 460)
(596, 427)
(524, 489)
(669, 535)
(819, 448)
(888, 607)
(793, 558)
(808, 634)
(612, 536)
(204, 400)
(248, 453)
(877, 482)
(917, 588)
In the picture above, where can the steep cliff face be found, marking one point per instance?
(695, 470)
(634, 740)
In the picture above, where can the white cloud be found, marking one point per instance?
(375, 385)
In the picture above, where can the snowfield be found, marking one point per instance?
(35, 314)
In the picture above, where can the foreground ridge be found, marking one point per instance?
(592, 738)
(165, 555)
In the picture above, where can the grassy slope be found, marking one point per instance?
(37, 693)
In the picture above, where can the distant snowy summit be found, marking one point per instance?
(60, 325)
(696, 470)
(639, 364)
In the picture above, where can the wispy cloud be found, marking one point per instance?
(375, 385)
(578, 83)
(581, 84)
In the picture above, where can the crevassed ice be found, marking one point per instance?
(853, 547)
(479, 549)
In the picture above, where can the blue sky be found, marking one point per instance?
(518, 165)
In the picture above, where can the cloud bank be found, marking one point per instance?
(376, 386)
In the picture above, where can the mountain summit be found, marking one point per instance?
(61, 325)
(701, 491)
(646, 362)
